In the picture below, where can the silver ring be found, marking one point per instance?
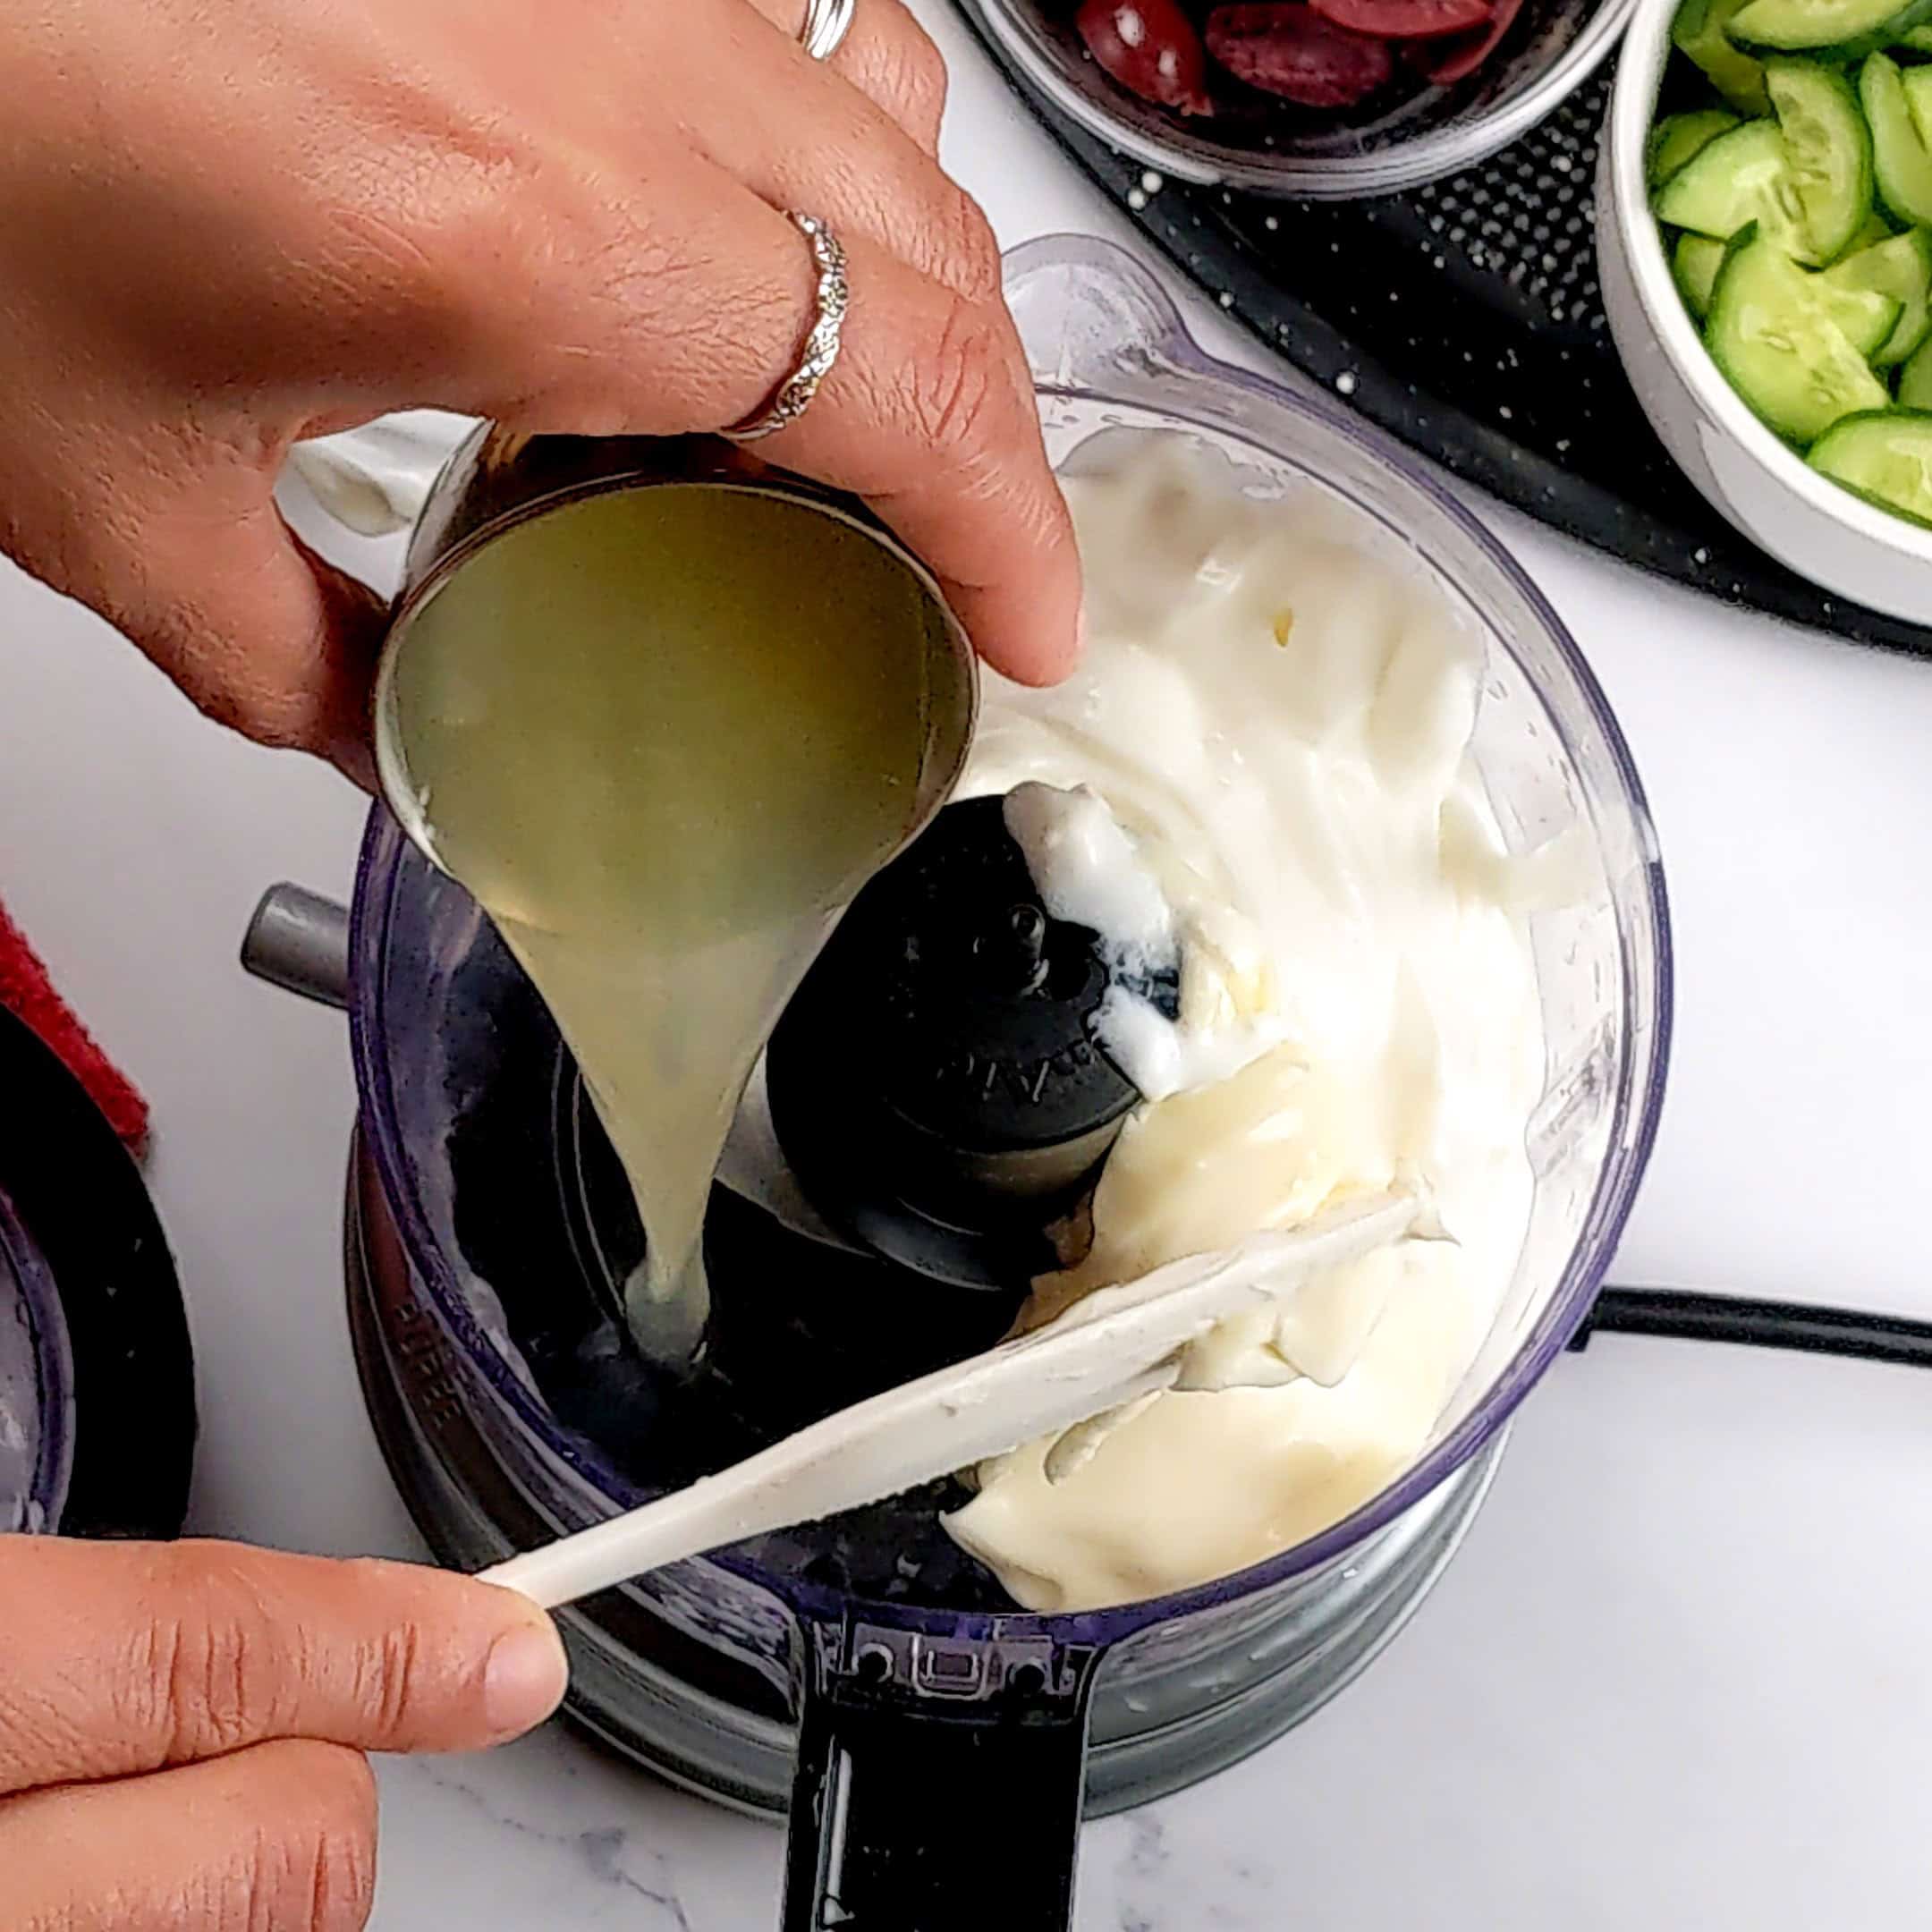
(826, 23)
(793, 396)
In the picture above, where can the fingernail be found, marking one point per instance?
(524, 1678)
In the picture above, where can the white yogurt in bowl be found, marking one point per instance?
(1271, 740)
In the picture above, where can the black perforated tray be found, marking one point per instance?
(1482, 288)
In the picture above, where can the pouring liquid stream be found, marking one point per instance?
(662, 736)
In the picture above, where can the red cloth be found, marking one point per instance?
(25, 989)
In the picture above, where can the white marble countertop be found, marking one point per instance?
(1677, 1677)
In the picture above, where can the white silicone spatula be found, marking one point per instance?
(1112, 1349)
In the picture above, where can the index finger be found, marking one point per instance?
(929, 415)
(117, 1659)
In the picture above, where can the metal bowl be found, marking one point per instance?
(1550, 51)
(1755, 480)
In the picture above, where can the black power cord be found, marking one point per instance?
(1804, 1326)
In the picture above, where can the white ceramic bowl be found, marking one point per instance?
(1839, 542)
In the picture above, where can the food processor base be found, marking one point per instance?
(1167, 1711)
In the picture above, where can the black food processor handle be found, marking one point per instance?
(939, 1785)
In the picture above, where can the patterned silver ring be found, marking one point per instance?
(793, 396)
(826, 23)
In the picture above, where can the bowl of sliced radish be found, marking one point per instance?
(1764, 216)
(1322, 99)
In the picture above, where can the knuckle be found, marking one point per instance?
(219, 683)
(428, 256)
(923, 78)
(341, 1857)
(961, 385)
(390, 1677)
(968, 244)
(210, 1661)
(730, 382)
(524, 306)
(341, 1884)
(311, 1864)
(630, 341)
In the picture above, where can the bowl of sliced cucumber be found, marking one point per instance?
(1763, 214)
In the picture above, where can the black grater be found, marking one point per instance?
(1465, 319)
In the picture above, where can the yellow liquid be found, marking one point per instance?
(662, 736)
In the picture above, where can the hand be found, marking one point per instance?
(182, 1726)
(231, 224)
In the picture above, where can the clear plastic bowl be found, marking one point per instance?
(1552, 47)
(710, 1691)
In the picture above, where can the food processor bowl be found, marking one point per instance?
(864, 1674)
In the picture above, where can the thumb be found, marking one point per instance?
(118, 1659)
(261, 634)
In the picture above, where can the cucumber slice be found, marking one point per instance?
(1915, 379)
(1848, 28)
(1699, 32)
(1772, 334)
(1917, 81)
(1866, 317)
(1739, 178)
(1900, 269)
(1885, 457)
(1913, 382)
(1695, 265)
(1694, 262)
(1901, 163)
(1676, 138)
(1875, 228)
(1918, 39)
(1828, 150)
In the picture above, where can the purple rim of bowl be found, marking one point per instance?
(23, 1273)
(379, 875)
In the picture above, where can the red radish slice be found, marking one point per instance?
(1447, 62)
(1150, 47)
(1289, 49)
(1404, 19)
